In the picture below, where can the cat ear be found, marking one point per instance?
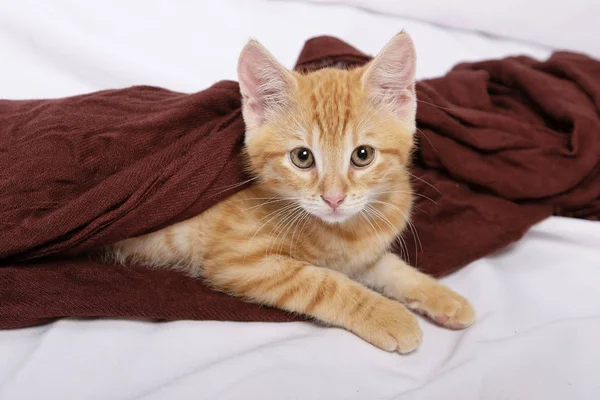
(390, 77)
(265, 84)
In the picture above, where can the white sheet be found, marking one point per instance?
(536, 338)
(538, 301)
(67, 47)
(566, 25)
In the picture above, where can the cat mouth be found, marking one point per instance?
(336, 216)
(330, 216)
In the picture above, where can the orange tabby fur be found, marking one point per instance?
(278, 244)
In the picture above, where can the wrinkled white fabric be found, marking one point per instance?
(565, 25)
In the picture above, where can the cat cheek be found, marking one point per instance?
(294, 180)
(361, 173)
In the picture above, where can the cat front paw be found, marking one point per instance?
(390, 326)
(442, 305)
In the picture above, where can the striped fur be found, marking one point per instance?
(271, 245)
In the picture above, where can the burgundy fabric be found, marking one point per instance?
(502, 145)
(88, 170)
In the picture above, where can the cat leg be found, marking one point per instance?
(420, 292)
(328, 296)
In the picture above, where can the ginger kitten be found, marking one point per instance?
(330, 150)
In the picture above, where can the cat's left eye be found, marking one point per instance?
(363, 156)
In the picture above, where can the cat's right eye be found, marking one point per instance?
(302, 157)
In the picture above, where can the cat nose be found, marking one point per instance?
(333, 199)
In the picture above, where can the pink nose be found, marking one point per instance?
(333, 199)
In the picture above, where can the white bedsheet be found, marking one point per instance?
(536, 338)
(538, 301)
(571, 25)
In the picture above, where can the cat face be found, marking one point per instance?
(334, 141)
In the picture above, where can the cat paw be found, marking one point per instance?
(391, 327)
(442, 305)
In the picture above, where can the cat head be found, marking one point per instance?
(335, 141)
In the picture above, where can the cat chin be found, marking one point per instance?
(331, 217)
(335, 218)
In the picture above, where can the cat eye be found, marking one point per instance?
(302, 157)
(363, 156)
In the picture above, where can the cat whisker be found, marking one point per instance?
(302, 224)
(293, 224)
(437, 106)
(403, 248)
(286, 222)
(413, 205)
(426, 197)
(283, 208)
(429, 141)
(265, 203)
(411, 226)
(424, 181)
(384, 218)
(269, 198)
(368, 217)
(231, 187)
(391, 205)
(283, 223)
(364, 215)
(280, 215)
(406, 192)
(273, 215)
(381, 216)
(279, 226)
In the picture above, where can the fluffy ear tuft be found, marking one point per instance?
(390, 77)
(265, 84)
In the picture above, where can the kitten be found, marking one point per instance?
(330, 150)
